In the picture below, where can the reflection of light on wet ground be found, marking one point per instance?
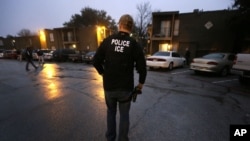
(51, 85)
(97, 86)
(50, 70)
(53, 91)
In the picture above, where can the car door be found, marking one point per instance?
(177, 59)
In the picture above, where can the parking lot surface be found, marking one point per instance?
(65, 102)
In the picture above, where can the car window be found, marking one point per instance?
(90, 53)
(174, 54)
(214, 56)
(161, 54)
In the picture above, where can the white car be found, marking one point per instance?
(48, 54)
(220, 63)
(1, 53)
(165, 59)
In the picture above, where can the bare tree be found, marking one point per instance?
(143, 18)
(24, 32)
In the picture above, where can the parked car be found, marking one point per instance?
(1, 53)
(88, 57)
(220, 63)
(47, 54)
(166, 60)
(62, 54)
(10, 54)
(241, 67)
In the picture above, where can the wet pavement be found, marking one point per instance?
(65, 102)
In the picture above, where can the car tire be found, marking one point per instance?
(224, 71)
(170, 67)
(150, 68)
(243, 80)
(183, 65)
(197, 72)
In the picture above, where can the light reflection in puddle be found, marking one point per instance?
(52, 86)
(97, 88)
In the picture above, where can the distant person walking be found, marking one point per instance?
(40, 57)
(187, 56)
(19, 54)
(29, 58)
(115, 60)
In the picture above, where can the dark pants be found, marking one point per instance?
(112, 99)
(28, 62)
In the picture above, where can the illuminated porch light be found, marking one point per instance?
(42, 36)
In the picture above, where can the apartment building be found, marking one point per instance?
(200, 31)
(80, 38)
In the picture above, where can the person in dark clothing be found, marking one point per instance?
(115, 60)
(29, 58)
(40, 56)
(187, 56)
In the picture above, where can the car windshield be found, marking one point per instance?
(161, 54)
(90, 53)
(214, 56)
(46, 51)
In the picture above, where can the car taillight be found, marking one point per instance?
(150, 59)
(161, 60)
(212, 63)
(156, 59)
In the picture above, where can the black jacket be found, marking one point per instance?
(28, 53)
(116, 59)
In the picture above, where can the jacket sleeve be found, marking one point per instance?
(140, 63)
(99, 59)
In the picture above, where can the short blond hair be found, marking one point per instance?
(127, 21)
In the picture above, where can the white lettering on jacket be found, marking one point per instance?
(120, 44)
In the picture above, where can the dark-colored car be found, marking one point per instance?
(62, 55)
(88, 57)
(76, 57)
(10, 54)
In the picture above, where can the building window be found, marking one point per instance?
(164, 47)
(1, 42)
(176, 27)
(70, 36)
(51, 36)
(165, 28)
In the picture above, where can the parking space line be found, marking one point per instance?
(180, 72)
(223, 81)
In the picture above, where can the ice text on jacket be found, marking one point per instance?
(120, 44)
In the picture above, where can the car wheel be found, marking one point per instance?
(243, 80)
(184, 63)
(170, 67)
(150, 68)
(224, 71)
(197, 72)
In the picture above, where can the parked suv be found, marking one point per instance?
(62, 55)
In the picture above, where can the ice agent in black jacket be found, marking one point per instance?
(116, 59)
